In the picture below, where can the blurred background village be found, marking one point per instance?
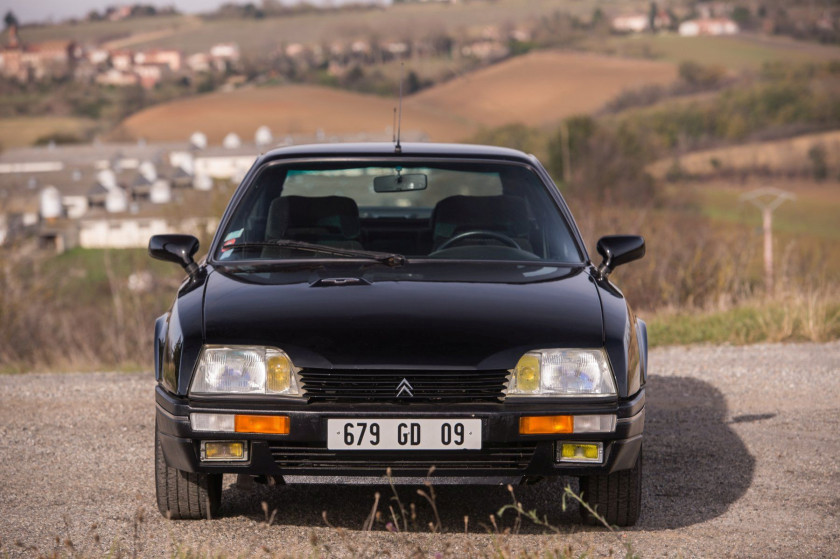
(676, 119)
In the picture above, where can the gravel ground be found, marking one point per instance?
(741, 459)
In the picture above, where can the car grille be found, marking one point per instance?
(493, 457)
(351, 385)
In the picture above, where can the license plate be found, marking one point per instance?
(403, 434)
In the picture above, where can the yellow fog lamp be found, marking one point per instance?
(580, 452)
(224, 451)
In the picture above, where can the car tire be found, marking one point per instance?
(617, 497)
(184, 495)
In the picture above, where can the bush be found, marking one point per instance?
(701, 76)
(819, 167)
(607, 163)
(59, 138)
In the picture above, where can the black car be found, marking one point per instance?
(365, 309)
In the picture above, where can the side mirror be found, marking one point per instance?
(175, 248)
(618, 250)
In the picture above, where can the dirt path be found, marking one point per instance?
(188, 23)
(740, 460)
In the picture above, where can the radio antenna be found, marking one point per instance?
(394, 127)
(398, 147)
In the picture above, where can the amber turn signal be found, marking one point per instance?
(546, 424)
(267, 424)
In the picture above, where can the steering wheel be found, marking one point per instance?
(501, 237)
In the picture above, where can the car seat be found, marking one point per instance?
(326, 220)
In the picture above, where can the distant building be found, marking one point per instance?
(486, 50)
(26, 62)
(134, 232)
(635, 23)
(709, 26)
(228, 51)
(639, 23)
(116, 13)
(169, 57)
(97, 56)
(199, 62)
(223, 55)
(122, 59)
(150, 74)
(117, 78)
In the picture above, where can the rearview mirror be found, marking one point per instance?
(618, 250)
(175, 248)
(400, 183)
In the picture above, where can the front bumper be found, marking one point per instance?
(302, 456)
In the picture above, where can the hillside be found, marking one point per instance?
(744, 52)
(257, 37)
(542, 87)
(293, 109)
(537, 89)
(789, 155)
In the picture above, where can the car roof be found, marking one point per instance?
(386, 150)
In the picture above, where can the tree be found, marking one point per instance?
(654, 10)
(10, 19)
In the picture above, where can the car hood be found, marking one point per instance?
(401, 322)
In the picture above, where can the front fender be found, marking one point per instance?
(161, 324)
(621, 340)
(182, 336)
(641, 326)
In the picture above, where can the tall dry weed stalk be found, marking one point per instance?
(52, 319)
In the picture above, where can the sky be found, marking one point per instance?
(32, 11)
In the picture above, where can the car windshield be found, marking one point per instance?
(396, 213)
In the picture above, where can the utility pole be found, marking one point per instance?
(767, 200)
(566, 152)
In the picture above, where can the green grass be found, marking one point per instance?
(736, 53)
(813, 213)
(82, 275)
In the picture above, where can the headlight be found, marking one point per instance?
(562, 372)
(245, 370)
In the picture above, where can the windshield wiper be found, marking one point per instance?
(390, 259)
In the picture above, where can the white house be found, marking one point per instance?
(708, 26)
(50, 203)
(134, 232)
(75, 206)
(160, 192)
(219, 163)
(635, 23)
(116, 200)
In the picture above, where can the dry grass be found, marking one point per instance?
(788, 155)
(386, 515)
(24, 131)
(793, 316)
